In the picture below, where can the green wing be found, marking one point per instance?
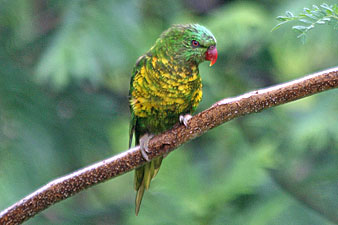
(143, 174)
(133, 121)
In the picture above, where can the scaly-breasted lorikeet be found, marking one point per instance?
(165, 88)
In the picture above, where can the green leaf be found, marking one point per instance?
(311, 16)
(278, 26)
(305, 21)
(335, 9)
(327, 7)
(307, 10)
(282, 18)
(299, 28)
(320, 22)
(315, 7)
(289, 14)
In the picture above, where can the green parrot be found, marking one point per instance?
(166, 88)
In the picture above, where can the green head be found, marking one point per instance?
(190, 43)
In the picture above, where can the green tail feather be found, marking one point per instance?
(139, 196)
(142, 179)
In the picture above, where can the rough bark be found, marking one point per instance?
(219, 113)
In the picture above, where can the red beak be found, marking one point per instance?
(211, 54)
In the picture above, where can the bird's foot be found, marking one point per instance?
(184, 119)
(144, 141)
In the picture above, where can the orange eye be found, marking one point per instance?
(195, 43)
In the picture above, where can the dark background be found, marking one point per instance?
(65, 68)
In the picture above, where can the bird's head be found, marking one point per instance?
(190, 43)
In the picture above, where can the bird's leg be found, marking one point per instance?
(144, 141)
(184, 119)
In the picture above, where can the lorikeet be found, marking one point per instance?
(165, 88)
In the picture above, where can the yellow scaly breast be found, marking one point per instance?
(158, 92)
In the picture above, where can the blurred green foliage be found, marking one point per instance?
(64, 80)
(310, 18)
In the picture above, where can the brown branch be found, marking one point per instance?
(221, 112)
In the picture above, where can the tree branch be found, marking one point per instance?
(219, 113)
